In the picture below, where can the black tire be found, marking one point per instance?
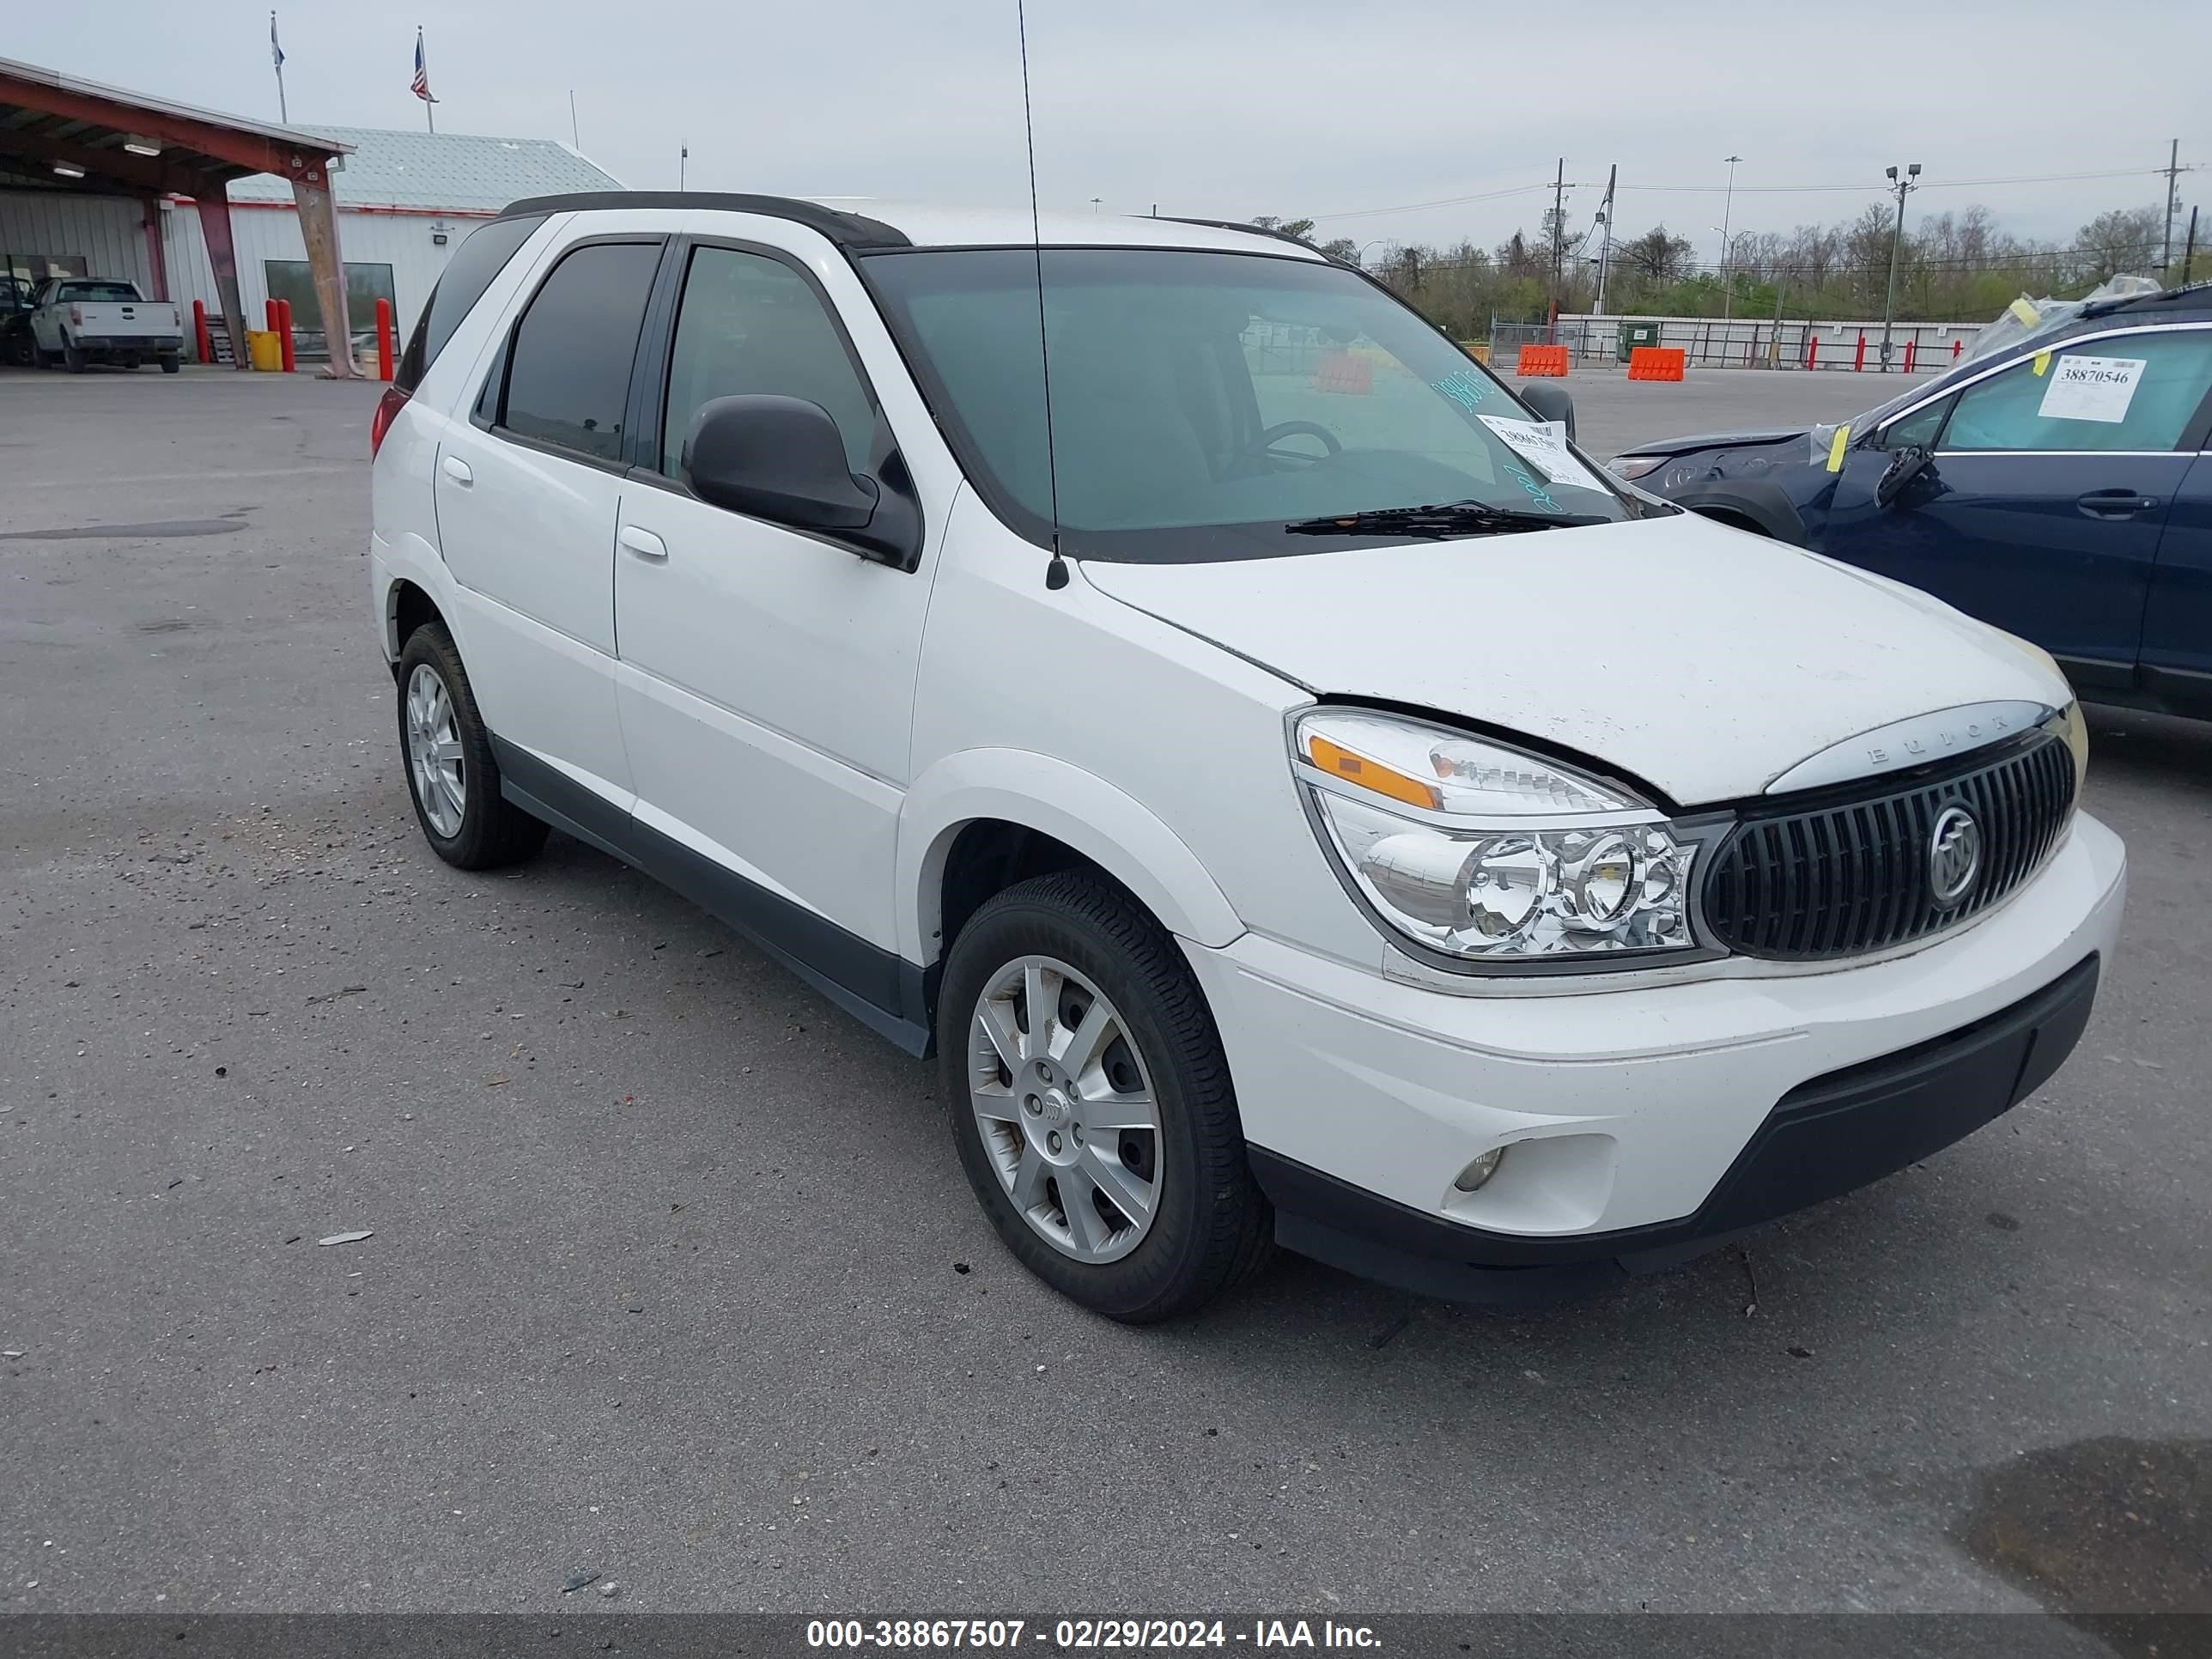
(171, 363)
(72, 359)
(1212, 1228)
(494, 831)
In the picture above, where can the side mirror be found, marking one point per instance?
(1551, 403)
(779, 458)
(782, 460)
(1909, 462)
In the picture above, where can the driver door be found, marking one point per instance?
(2041, 509)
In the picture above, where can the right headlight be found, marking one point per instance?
(1491, 855)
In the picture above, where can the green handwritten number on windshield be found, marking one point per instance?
(1538, 495)
(1463, 388)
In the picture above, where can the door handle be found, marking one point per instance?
(2115, 503)
(457, 469)
(643, 543)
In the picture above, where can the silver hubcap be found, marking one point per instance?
(433, 752)
(1066, 1108)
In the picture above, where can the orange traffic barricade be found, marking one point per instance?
(1655, 362)
(1539, 360)
(1344, 371)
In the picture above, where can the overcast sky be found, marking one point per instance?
(1336, 109)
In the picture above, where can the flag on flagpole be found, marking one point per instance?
(275, 51)
(422, 82)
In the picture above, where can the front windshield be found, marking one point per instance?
(1201, 403)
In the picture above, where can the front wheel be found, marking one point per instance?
(451, 773)
(1091, 1102)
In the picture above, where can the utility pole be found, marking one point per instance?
(1903, 187)
(1727, 202)
(1605, 234)
(2189, 253)
(2172, 175)
(1558, 246)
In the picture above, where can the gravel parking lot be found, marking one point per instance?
(673, 1275)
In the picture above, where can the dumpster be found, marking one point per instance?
(265, 351)
(1633, 335)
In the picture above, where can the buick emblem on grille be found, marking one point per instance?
(1954, 855)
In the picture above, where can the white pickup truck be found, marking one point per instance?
(78, 320)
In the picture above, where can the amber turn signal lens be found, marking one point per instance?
(1340, 763)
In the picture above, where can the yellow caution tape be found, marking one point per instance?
(2027, 313)
(1836, 447)
(2042, 363)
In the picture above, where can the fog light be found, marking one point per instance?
(1480, 1170)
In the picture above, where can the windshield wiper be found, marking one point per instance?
(1441, 520)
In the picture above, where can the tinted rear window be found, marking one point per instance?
(480, 258)
(568, 377)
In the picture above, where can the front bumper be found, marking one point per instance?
(1642, 1124)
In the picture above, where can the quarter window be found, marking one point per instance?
(568, 380)
(1919, 427)
(750, 325)
(2136, 391)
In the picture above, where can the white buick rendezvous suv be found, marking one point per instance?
(1296, 796)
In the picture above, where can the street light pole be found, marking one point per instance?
(1728, 203)
(1903, 187)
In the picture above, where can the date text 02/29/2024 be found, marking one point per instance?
(1086, 1635)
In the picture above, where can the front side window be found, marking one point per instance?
(750, 324)
(2131, 391)
(1204, 404)
(567, 377)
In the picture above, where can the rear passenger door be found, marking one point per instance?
(527, 495)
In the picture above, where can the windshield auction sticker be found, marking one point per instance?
(2092, 389)
(1543, 445)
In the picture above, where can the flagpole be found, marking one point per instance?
(283, 113)
(423, 67)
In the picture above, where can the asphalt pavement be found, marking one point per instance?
(672, 1276)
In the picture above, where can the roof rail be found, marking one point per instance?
(850, 230)
(1251, 230)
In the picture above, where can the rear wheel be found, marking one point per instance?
(171, 363)
(450, 774)
(1091, 1103)
(72, 359)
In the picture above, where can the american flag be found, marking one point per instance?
(421, 85)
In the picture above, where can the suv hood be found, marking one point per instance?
(1704, 660)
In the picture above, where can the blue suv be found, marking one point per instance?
(2060, 488)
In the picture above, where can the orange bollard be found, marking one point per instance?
(1859, 363)
(284, 335)
(200, 331)
(383, 338)
(1911, 347)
